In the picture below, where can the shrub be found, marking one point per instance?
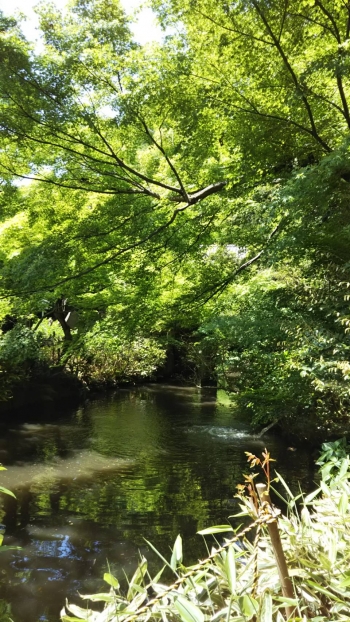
(105, 357)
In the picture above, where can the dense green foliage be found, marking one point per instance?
(239, 579)
(189, 196)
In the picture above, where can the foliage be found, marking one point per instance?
(106, 358)
(239, 579)
(20, 354)
(196, 191)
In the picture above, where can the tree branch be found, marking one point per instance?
(327, 13)
(246, 264)
(235, 30)
(312, 21)
(66, 136)
(273, 116)
(197, 197)
(161, 149)
(206, 192)
(283, 19)
(292, 73)
(61, 184)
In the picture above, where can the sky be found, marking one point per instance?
(145, 28)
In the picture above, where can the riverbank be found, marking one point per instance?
(58, 386)
(48, 388)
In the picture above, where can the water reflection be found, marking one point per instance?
(92, 483)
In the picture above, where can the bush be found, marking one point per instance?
(106, 358)
(19, 353)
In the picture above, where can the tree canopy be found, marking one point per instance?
(195, 191)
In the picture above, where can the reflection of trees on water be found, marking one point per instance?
(5, 611)
(142, 464)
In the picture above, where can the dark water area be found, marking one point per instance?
(92, 482)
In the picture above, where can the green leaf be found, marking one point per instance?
(82, 614)
(137, 579)
(324, 591)
(216, 529)
(312, 496)
(158, 575)
(266, 612)
(7, 492)
(249, 606)
(292, 602)
(230, 567)
(108, 577)
(160, 555)
(343, 504)
(103, 597)
(188, 611)
(285, 485)
(176, 557)
(344, 467)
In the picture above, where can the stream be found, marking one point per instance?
(93, 482)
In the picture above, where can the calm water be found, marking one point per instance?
(93, 482)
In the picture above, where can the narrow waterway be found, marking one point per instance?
(91, 483)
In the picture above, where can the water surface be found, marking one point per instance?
(91, 483)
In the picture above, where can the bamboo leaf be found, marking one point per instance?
(103, 597)
(188, 611)
(108, 577)
(230, 567)
(82, 614)
(266, 613)
(324, 591)
(137, 579)
(312, 496)
(216, 529)
(160, 555)
(343, 504)
(344, 467)
(249, 606)
(292, 602)
(176, 557)
(7, 492)
(285, 486)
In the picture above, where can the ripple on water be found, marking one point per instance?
(226, 433)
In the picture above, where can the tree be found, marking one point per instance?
(174, 186)
(74, 120)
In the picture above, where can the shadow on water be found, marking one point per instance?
(91, 483)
